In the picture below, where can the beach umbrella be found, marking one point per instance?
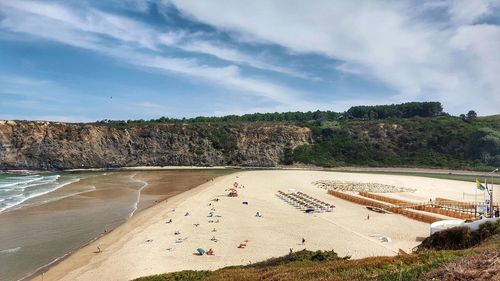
(201, 251)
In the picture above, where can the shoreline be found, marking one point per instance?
(350, 169)
(82, 213)
(130, 220)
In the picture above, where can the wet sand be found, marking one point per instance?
(33, 236)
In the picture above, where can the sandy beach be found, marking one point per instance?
(85, 206)
(147, 244)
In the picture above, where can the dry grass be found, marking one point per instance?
(377, 268)
(484, 266)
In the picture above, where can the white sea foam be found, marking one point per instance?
(136, 204)
(16, 190)
(10, 251)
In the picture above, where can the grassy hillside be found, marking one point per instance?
(481, 262)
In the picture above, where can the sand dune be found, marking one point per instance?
(146, 244)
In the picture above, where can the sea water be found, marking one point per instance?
(15, 189)
(44, 216)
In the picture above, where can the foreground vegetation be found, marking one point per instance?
(459, 237)
(478, 263)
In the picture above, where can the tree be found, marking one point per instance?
(471, 115)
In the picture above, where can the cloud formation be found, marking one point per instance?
(91, 29)
(423, 49)
(284, 55)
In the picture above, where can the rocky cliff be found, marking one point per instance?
(50, 145)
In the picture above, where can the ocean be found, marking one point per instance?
(46, 216)
(15, 189)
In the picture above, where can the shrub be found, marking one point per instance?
(459, 237)
(300, 256)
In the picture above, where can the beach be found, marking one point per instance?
(65, 211)
(165, 237)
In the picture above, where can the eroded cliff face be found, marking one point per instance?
(50, 145)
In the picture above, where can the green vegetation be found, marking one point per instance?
(406, 142)
(415, 134)
(302, 256)
(405, 110)
(185, 275)
(222, 139)
(303, 267)
(459, 237)
(467, 178)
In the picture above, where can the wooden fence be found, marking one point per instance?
(394, 209)
(457, 212)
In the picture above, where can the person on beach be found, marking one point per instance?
(303, 241)
(291, 251)
(99, 249)
(368, 217)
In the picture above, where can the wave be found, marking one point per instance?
(17, 199)
(21, 183)
(14, 183)
(10, 251)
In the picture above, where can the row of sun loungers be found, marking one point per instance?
(305, 202)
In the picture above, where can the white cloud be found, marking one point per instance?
(85, 29)
(387, 40)
(235, 56)
(469, 11)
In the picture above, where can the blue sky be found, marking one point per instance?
(92, 60)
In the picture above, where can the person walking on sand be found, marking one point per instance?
(99, 249)
(368, 217)
(303, 241)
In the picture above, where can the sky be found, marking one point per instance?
(84, 60)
